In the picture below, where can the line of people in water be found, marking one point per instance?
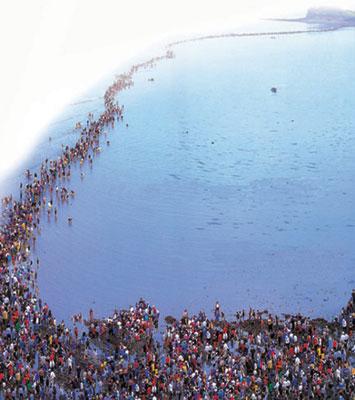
(272, 34)
(123, 357)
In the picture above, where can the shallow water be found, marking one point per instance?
(218, 189)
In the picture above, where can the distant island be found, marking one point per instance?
(328, 17)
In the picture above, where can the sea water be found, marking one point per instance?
(218, 189)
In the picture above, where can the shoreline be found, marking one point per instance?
(40, 196)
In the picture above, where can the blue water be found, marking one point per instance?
(218, 189)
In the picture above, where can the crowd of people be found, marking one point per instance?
(124, 356)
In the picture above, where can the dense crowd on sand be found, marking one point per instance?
(253, 356)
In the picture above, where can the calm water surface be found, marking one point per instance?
(218, 189)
